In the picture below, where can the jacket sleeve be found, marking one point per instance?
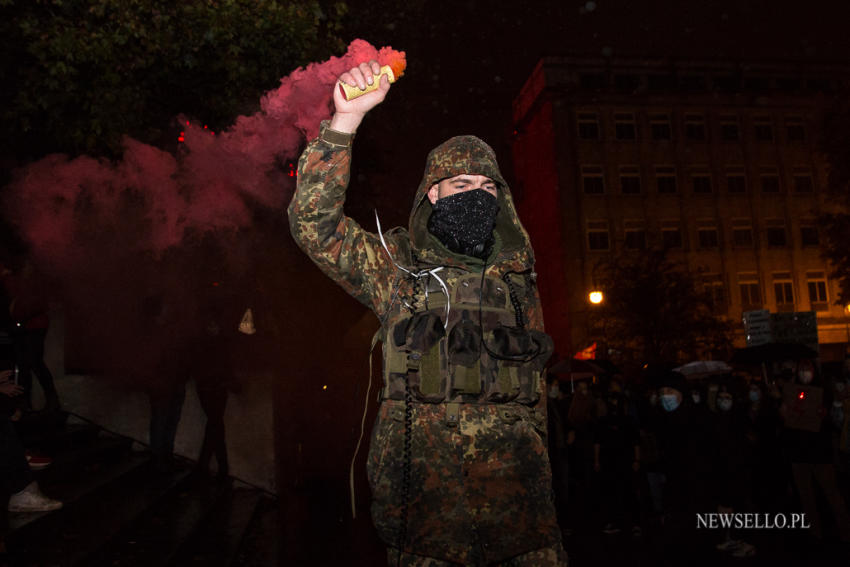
(348, 254)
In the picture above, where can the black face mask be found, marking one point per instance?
(464, 222)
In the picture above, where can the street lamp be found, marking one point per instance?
(595, 297)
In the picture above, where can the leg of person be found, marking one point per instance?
(825, 475)
(24, 372)
(174, 409)
(35, 352)
(803, 473)
(15, 475)
(213, 399)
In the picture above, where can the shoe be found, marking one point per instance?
(38, 462)
(30, 499)
(744, 549)
(610, 529)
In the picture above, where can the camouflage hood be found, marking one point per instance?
(471, 155)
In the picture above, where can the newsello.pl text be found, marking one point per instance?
(751, 521)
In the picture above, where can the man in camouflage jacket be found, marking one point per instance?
(457, 462)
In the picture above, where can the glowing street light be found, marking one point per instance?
(596, 297)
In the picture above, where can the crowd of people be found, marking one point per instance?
(629, 456)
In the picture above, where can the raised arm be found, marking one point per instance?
(347, 253)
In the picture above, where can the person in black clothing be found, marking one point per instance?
(617, 462)
(809, 450)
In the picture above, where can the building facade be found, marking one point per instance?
(719, 162)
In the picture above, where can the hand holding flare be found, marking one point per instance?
(362, 88)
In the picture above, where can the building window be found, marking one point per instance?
(659, 127)
(795, 130)
(776, 237)
(635, 239)
(701, 182)
(736, 182)
(809, 236)
(695, 127)
(665, 178)
(716, 292)
(707, 237)
(592, 180)
(624, 126)
(671, 237)
(730, 131)
(763, 128)
(630, 180)
(748, 284)
(742, 236)
(783, 290)
(803, 181)
(627, 83)
(597, 236)
(769, 182)
(588, 126)
(816, 282)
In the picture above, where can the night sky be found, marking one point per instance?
(467, 60)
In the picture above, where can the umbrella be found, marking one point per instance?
(769, 352)
(703, 369)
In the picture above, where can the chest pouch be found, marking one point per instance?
(417, 354)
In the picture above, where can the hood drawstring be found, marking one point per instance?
(420, 274)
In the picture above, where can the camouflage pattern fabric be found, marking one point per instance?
(480, 489)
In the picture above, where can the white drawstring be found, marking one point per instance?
(418, 275)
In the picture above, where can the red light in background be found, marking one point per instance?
(215, 284)
(181, 137)
(802, 395)
(292, 172)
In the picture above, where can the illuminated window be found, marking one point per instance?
(750, 288)
(783, 291)
(816, 284)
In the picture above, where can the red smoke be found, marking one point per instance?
(136, 244)
(56, 198)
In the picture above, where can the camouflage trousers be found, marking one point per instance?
(480, 485)
(547, 557)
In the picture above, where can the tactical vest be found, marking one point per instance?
(479, 353)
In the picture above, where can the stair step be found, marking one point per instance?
(92, 515)
(259, 547)
(216, 542)
(155, 536)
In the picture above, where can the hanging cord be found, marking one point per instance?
(520, 320)
(420, 273)
(406, 466)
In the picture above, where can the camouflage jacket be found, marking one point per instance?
(479, 489)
